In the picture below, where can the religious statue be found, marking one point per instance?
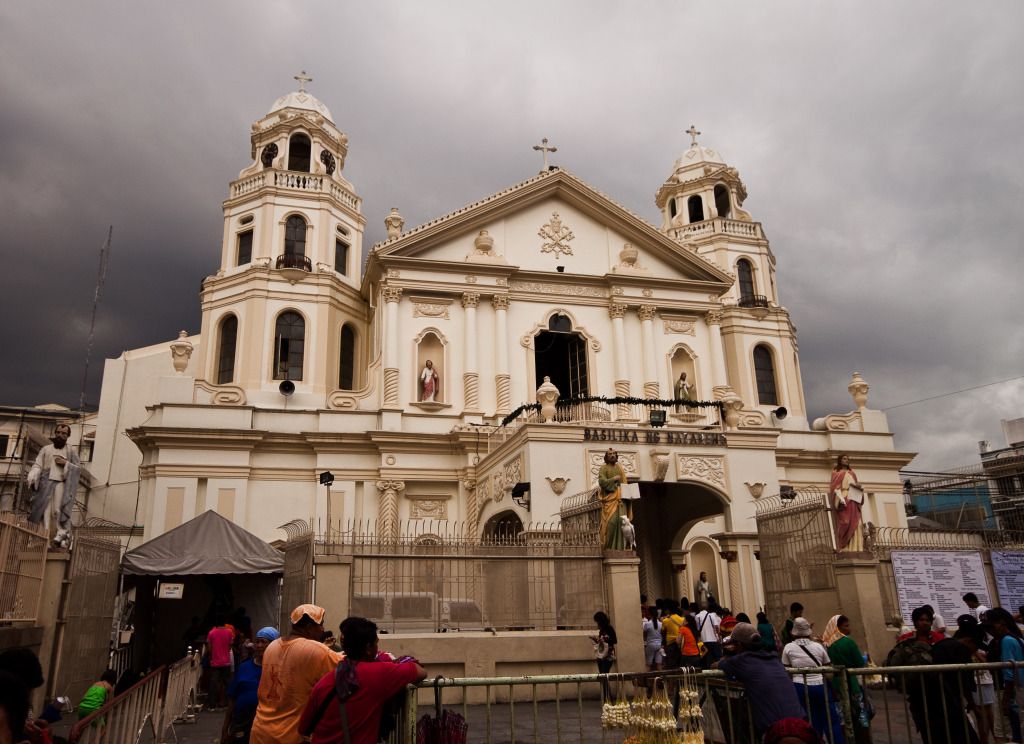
(54, 478)
(846, 496)
(429, 383)
(610, 479)
(702, 591)
(683, 391)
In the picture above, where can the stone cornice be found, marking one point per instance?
(760, 439)
(181, 438)
(825, 458)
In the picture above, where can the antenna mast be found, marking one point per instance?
(101, 276)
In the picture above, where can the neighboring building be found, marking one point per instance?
(24, 430)
(1005, 468)
(959, 499)
(309, 361)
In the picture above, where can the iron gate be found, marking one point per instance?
(87, 613)
(297, 584)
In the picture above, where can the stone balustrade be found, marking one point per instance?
(291, 180)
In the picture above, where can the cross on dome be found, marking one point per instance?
(303, 78)
(543, 147)
(692, 131)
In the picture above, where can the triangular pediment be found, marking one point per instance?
(553, 220)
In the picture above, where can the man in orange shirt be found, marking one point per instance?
(291, 666)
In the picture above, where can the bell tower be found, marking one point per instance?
(701, 204)
(284, 304)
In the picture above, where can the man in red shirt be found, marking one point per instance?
(218, 648)
(362, 683)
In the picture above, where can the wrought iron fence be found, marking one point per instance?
(297, 582)
(22, 567)
(437, 576)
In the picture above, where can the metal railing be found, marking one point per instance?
(159, 700)
(293, 261)
(22, 565)
(753, 301)
(909, 705)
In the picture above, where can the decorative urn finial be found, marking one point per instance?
(628, 255)
(858, 388)
(181, 352)
(483, 243)
(394, 223)
(547, 396)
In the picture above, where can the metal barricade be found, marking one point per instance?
(123, 719)
(910, 705)
(180, 698)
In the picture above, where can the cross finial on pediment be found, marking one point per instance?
(543, 147)
(692, 131)
(303, 78)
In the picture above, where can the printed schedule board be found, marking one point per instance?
(1009, 570)
(939, 578)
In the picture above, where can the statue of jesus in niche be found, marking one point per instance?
(429, 382)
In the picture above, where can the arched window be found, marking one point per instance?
(298, 153)
(764, 374)
(745, 274)
(695, 208)
(226, 352)
(295, 237)
(722, 203)
(289, 346)
(347, 363)
(560, 323)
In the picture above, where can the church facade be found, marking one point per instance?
(405, 376)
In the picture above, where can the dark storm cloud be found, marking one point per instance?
(881, 144)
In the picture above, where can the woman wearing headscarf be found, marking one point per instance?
(242, 692)
(814, 694)
(843, 651)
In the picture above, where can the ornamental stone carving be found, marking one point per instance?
(617, 310)
(388, 519)
(429, 509)
(858, 389)
(470, 299)
(628, 255)
(576, 290)
(394, 223)
(708, 469)
(392, 294)
(714, 317)
(181, 352)
(430, 310)
(471, 279)
(685, 327)
(558, 484)
(499, 302)
(648, 312)
(556, 237)
(483, 243)
(756, 489)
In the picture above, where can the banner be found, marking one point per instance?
(939, 578)
(1009, 570)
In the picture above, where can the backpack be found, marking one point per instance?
(910, 652)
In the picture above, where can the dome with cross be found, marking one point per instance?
(302, 99)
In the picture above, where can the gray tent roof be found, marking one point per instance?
(208, 544)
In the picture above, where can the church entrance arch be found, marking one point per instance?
(503, 527)
(664, 514)
(561, 354)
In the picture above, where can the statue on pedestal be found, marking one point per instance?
(846, 497)
(54, 478)
(683, 391)
(610, 479)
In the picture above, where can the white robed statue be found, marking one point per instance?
(683, 391)
(54, 478)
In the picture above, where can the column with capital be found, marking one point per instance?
(387, 526)
(719, 375)
(392, 296)
(502, 378)
(651, 387)
(470, 376)
(617, 311)
(731, 558)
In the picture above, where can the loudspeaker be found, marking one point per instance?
(286, 388)
(780, 413)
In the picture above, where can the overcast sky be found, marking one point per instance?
(882, 145)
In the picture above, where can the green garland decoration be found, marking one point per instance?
(628, 400)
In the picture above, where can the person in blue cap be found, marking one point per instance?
(242, 692)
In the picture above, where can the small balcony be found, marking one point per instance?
(751, 301)
(293, 266)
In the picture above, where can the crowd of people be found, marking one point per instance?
(951, 706)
